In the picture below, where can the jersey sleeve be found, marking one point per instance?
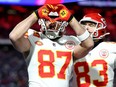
(32, 35)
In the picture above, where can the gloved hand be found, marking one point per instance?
(64, 13)
(43, 12)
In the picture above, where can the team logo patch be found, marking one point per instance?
(63, 13)
(70, 45)
(39, 43)
(104, 53)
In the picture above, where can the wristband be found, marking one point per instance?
(84, 36)
(36, 12)
(70, 18)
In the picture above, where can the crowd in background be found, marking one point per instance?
(11, 15)
(13, 71)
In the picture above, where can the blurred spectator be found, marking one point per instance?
(13, 71)
(11, 15)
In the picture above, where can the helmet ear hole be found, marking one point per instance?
(99, 25)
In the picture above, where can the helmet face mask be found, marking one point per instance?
(99, 30)
(52, 30)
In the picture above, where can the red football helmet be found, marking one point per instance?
(100, 30)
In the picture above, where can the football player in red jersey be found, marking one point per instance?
(96, 69)
(49, 53)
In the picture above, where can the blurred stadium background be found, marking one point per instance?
(13, 71)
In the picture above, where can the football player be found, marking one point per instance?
(49, 53)
(96, 69)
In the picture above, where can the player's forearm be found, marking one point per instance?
(84, 36)
(76, 26)
(21, 28)
(87, 43)
(84, 47)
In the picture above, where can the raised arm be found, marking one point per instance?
(17, 34)
(83, 35)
